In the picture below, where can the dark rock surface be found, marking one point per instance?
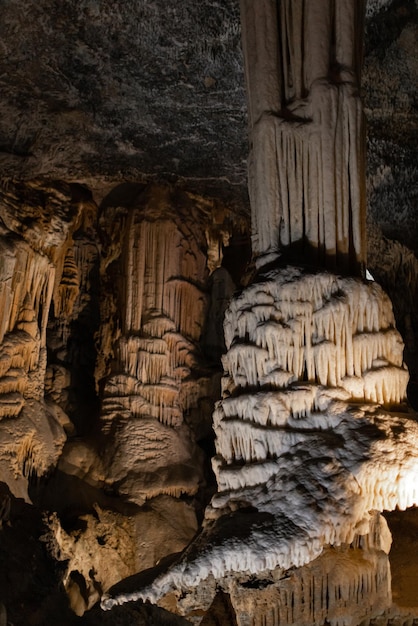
(127, 90)
(390, 80)
(122, 90)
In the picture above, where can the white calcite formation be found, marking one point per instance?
(311, 433)
(305, 171)
(341, 587)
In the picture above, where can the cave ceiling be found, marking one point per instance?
(102, 92)
(123, 90)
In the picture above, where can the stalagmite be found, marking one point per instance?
(154, 361)
(315, 455)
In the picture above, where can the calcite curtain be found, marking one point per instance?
(307, 160)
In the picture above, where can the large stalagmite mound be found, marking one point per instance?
(312, 433)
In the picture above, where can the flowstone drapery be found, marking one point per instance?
(153, 377)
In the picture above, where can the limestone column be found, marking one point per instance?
(306, 167)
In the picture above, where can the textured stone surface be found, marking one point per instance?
(107, 381)
(130, 89)
(122, 90)
(312, 434)
(306, 164)
(390, 80)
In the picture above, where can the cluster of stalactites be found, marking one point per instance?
(307, 161)
(310, 353)
(338, 588)
(164, 310)
(319, 328)
(67, 290)
(162, 274)
(319, 599)
(26, 288)
(316, 205)
(156, 380)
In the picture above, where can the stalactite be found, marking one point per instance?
(305, 173)
(185, 304)
(327, 331)
(156, 326)
(11, 404)
(69, 286)
(27, 278)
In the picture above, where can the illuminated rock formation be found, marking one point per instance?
(112, 299)
(343, 586)
(305, 352)
(36, 272)
(156, 390)
(155, 378)
(306, 169)
(311, 433)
